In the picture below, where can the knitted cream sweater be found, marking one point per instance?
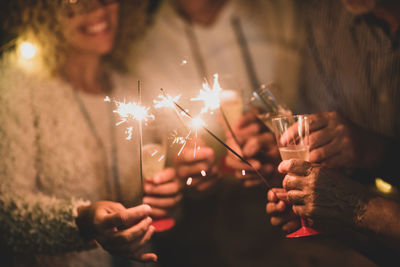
(50, 163)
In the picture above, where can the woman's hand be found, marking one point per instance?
(163, 192)
(281, 211)
(200, 172)
(258, 147)
(119, 230)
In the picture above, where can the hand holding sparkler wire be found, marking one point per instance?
(258, 147)
(185, 112)
(201, 172)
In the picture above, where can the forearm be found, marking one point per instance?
(39, 224)
(380, 218)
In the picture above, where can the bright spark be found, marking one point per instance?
(243, 172)
(189, 181)
(161, 158)
(132, 111)
(165, 101)
(128, 132)
(107, 99)
(184, 62)
(210, 96)
(203, 173)
(197, 123)
(181, 140)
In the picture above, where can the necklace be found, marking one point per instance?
(100, 143)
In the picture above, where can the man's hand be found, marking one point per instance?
(162, 193)
(119, 230)
(320, 194)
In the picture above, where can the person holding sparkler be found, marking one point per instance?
(69, 181)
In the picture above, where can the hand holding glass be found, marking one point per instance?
(292, 136)
(154, 152)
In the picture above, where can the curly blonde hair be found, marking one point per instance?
(39, 21)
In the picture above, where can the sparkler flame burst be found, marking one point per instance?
(165, 101)
(210, 96)
(130, 111)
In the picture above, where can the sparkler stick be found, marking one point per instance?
(226, 146)
(140, 140)
(166, 96)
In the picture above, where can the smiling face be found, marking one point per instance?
(92, 30)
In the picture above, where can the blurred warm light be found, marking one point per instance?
(197, 122)
(27, 50)
(383, 186)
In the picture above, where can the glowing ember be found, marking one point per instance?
(197, 123)
(161, 158)
(184, 62)
(203, 173)
(209, 96)
(181, 140)
(128, 132)
(107, 99)
(189, 181)
(243, 172)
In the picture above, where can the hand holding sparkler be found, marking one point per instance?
(120, 231)
(185, 112)
(200, 172)
(258, 147)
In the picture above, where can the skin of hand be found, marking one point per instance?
(187, 166)
(332, 201)
(258, 147)
(280, 211)
(320, 194)
(120, 231)
(163, 192)
(337, 143)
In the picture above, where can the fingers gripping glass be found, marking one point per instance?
(79, 7)
(292, 134)
(154, 158)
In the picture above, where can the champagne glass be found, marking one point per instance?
(265, 99)
(292, 136)
(154, 152)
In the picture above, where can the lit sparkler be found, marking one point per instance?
(132, 111)
(212, 101)
(210, 96)
(223, 143)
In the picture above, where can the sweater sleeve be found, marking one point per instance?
(30, 222)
